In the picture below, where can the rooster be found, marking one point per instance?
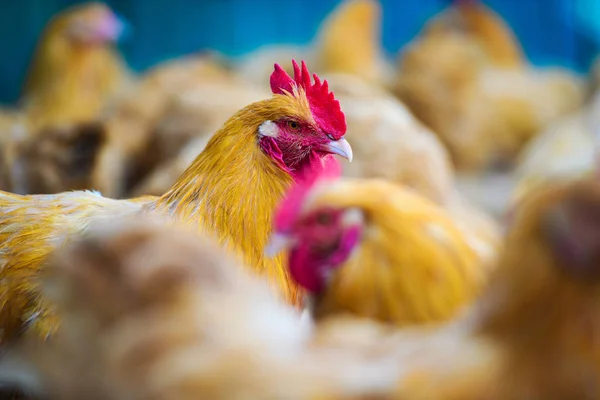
(75, 71)
(374, 249)
(230, 191)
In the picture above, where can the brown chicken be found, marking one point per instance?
(172, 104)
(75, 71)
(483, 107)
(58, 159)
(13, 130)
(159, 313)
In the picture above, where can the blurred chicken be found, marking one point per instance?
(172, 104)
(464, 78)
(533, 332)
(490, 32)
(59, 159)
(13, 130)
(229, 191)
(163, 176)
(377, 250)
(155, 313)
(348, 42)
(75, 71)
(566, 150)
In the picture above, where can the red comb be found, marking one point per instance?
(328, 168)
(325, 108)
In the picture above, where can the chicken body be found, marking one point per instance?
(75, 71)
(229, 191)
(152, 312)
(171, 104)
(483, 106)
(348, 42)
(377, 250)
(566, 150)
(533, 332)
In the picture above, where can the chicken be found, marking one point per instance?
(192, 117)
(172, 104)
(533, 333)
(163, 176)
(342, 48)
(13, 129)
(376, 250)
(75, 71)
(490, 32)
(229, 191)
(347, 42)
(483, 109)
(57, 159)
(566, 150)
(153, 313)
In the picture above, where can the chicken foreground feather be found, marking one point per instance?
(152, 312)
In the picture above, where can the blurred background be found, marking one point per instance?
(561, 32)
(120, 96)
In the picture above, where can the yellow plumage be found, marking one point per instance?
(413, 265)
(349, 40)
(70, 82)
(229, 191)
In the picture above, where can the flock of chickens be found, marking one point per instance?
(234, 253)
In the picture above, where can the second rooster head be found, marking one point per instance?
(320, 236)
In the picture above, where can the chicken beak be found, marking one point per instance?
(277, 243)
(340, 147)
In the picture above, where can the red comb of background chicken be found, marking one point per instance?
(324, 107)
(289, 208)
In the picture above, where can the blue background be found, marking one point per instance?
(560, 32)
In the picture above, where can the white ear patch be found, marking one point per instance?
(268, 128)
(352, 216)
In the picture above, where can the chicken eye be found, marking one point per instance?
(330, 136)
(293, 125)
(323, 219)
